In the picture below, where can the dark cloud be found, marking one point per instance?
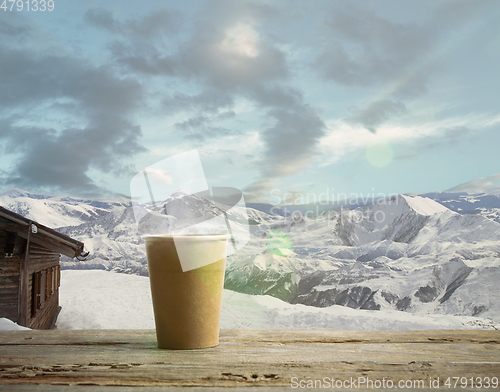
(227, 50)
(200, 128)
(448, 137)
(13, 29)
(376, 113)
(160, 21)
(97, 103)
(102, 19)
(230, 56)
(454, 14)
(295, 131)
(290, 140)
(363, 48)
(206, 101)
(61, 160)
(205, 60)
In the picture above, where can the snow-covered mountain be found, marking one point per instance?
(406, 253)
(485, 204)
(58, 211)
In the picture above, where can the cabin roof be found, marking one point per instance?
(44, 236)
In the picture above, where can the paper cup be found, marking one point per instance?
(186, 305)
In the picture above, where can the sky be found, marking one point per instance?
(281, 98)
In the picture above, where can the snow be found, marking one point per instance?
(410, 252)
(424, 205)
(56, 212)
(95, 299)
(8, 325)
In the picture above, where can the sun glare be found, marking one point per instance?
(242, 40)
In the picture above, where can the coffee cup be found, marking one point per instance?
(187, 302)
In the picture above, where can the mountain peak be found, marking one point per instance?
(424, 205)
(180, 193)
(16, 192)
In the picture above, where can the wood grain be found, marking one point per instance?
(260, 358)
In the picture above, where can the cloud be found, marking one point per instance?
(376, 113)
(14, 29)
(230, 56)
(160, 21)
(291, 141)
(454, 14)
(259, 190)
(208, 101)
(206, 59)
(199, 128)
(345, 140)
(226, 50)
(363, 48)
(94, 131)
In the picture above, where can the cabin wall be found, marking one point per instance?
(43, 287)
(9, 282)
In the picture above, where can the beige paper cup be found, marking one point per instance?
(187, 305)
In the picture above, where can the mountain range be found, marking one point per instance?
(434, 253)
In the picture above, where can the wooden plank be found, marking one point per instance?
(9, 281)
(245, 358)
(44, 317)
(6, 297)
(53, 244)
(9, 311)
(25, 297)
(9, 266)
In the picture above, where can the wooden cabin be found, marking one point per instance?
(30, 270)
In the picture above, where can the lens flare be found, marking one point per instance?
(278, 243)
(379, 154)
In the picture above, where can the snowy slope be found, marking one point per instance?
(477, 203)
(57, 212)
(127, 305)
(407, 253)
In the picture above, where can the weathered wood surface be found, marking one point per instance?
(263, 358)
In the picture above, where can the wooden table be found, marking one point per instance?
(100, 360)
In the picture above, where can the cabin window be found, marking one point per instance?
(43, 278)
(44, 285)
(58, 276)
(36, 302)
(39, 290)
(48, 283)
(53, 287)
(10, 241)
